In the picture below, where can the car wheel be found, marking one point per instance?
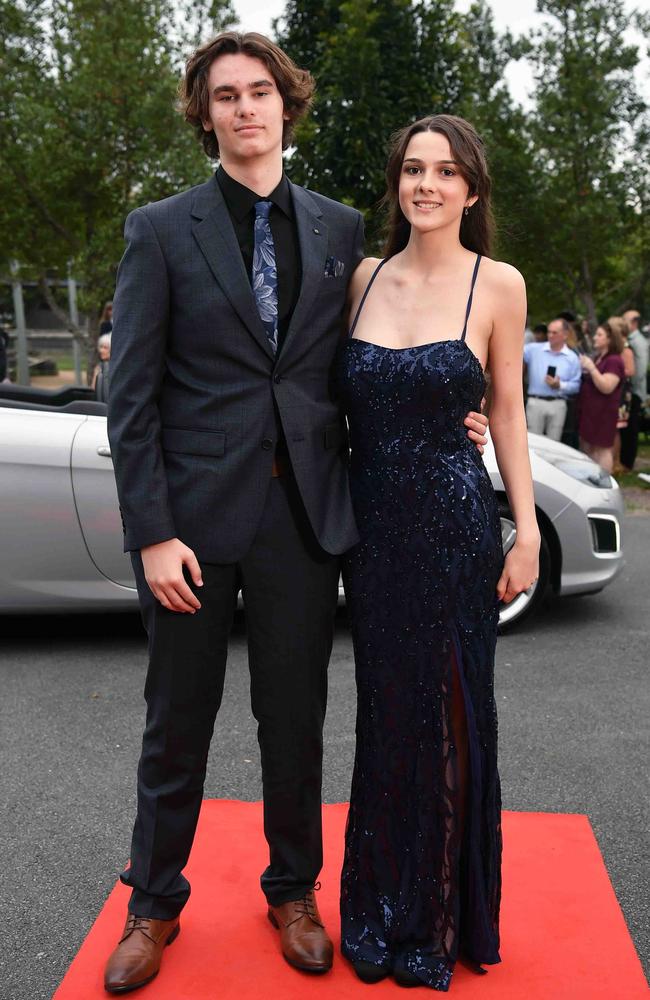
(510, 615)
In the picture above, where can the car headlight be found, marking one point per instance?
(584, 470)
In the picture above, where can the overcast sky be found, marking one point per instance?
(518, 15)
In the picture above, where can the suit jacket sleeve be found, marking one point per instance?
(138, 348)
(359, 240)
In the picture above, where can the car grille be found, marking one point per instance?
(605, 533)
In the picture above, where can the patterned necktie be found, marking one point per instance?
(265, 274)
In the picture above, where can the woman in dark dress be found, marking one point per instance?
(421, 876)
(600, 396)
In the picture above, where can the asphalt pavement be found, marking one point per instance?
(574, 704)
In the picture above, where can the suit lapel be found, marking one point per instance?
(216, 238)
(313, 238)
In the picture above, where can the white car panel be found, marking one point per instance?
(61, 533)
(95, 493)
(45, 562)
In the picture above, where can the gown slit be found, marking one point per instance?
(421, 875)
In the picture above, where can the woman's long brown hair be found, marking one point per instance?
(477, 227)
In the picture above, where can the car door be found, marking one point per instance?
(95, 493)
(44, 564)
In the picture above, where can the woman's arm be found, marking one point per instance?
(605, 382)
(508, 428)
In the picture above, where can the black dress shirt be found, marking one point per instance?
(240, 202)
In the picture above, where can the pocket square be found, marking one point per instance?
(334, 268)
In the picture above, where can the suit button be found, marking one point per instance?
(277, 379)
(267, 444)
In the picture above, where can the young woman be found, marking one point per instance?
(600, 396)
(421, 876)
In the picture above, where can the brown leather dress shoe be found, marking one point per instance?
(303, 938)
(136, 960)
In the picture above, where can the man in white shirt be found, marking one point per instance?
(553, 372)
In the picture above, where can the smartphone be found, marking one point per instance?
(551, 370)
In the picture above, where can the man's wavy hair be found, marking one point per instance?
(296, 86)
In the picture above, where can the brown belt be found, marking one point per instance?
(281, 466)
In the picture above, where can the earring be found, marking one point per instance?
(466, 210)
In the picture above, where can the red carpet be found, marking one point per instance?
(563, 934)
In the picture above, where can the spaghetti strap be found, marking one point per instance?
(365, 295)
(471, 296)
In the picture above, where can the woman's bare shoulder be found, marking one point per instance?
(501, 276)
(363, 272)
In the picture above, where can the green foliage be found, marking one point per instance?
(378, 66)
(89, 129)
(586, 107)
(486, 101)
(570, 176)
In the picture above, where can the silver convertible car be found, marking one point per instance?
(61, 535)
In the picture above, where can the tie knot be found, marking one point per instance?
(262, 209)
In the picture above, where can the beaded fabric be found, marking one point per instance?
(420, 589)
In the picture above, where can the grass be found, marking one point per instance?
(642, 464)
(635, 491)
(65, 362)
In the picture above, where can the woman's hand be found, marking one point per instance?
(586, 362)
(520, 569)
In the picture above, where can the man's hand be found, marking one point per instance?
(163, 569)
(477, 424)
(553, 381)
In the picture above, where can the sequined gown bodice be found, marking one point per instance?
(420, 589)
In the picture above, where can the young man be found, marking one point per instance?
(230, 457)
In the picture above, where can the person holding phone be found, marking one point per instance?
(600, 396)
(553, 374)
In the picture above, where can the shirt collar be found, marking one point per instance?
(240, 200)
(565, 349)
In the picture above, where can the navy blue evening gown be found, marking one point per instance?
(420, 589)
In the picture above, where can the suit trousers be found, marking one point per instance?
(290, 587)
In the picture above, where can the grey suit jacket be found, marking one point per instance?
(192, 421)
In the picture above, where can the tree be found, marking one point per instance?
(379, 64)
(487, 102)
(89, 130)
(586, 105)
(634, 259)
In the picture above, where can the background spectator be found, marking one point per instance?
(4, 345)
(573, 333)
(553, 373)
(599, 395)
(101, 378)
(574, 342)
(585, 340)
(639, 347)
(106, 322)
(620, 327)
(540, 333)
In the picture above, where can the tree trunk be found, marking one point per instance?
(587, 295)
